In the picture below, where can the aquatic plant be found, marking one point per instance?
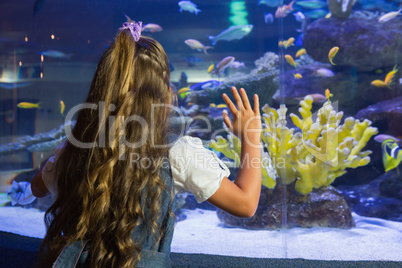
(312, 155)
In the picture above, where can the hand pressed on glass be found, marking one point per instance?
(246, 123)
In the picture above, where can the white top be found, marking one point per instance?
(194, 168)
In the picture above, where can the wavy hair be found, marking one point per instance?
(99, 194)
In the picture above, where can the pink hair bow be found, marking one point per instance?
(135, 29)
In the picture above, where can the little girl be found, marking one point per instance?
(115, 177)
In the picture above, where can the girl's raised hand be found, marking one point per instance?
(246, 123)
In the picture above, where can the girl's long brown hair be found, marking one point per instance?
(100, 189)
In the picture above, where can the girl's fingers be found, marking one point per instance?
(237, 98)
(256, 105)
(227, 121)
(246, 102)
(229, 103)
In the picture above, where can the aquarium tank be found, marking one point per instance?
(329, 78)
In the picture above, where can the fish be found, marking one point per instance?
(391, 154)
(283, 11)
(62, 107)
(220, 106)
(237, 65)
(211, 68)
(289, 42)
(268, 18)
(280, 43)
(297, 76)
(311, 4)
(151, 27)
(37, 6)
(323, 72)
(329, 15)
(195, 44)
(290, 60)
(183, 90)
(223, 64)
(270, 3)
(317, 98)
(55, 54)
(28, 105)
(332, 54)
(204, 85)
(390, 76)
(188, 6)
(212, 105)
(235, 32)
(382, 137)
(183, 95)
(301, 52)
(20, 193)
(389, 16)
(299, 40)
(328, 94)
(379, 83)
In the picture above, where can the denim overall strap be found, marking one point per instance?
(70, 255)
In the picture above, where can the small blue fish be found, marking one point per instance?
(55, 54)
(236, 32)
(268, 18)
(20, 193)
(204, 85)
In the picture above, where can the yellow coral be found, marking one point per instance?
(316, 154)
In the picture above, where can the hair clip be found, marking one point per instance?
(135, 29)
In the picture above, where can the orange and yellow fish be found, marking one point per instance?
(28, 105)
(379, 83)
(388, 79)
(328, 94)
(332, 54)
(221, 106)
(288, 43)
(297, 76)
(301, 52)
(211, 68)
(62, 107)
(390, 76)
(290, 60)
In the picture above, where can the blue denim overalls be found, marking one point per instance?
(76, 253)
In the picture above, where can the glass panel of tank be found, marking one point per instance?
(329, 81)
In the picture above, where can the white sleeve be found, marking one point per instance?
(195, 168)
